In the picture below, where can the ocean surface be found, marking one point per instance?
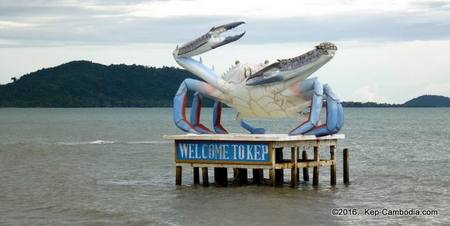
(111, 166)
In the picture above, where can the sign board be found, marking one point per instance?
(238, 152)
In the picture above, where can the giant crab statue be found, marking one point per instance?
(280, 89)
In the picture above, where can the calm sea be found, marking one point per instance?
(111, 167)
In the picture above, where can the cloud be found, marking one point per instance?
(368, 94)
(440, 5)
(102, 22)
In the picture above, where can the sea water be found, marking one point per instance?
(110, 166)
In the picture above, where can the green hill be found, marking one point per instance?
(428, 101)
(88, 84)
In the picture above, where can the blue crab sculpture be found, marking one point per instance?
(279, 89)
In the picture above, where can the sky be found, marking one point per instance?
(388, 51)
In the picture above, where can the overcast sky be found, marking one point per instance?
(389, 51)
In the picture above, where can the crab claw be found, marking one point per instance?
(209, 41)
(303, 65)
(226, 27)
(229, 39)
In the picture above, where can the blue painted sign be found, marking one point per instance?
(241, 152)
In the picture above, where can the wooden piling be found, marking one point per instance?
(279, 173)
(258, 176)
(243, 176)
(240, 176)
(178, 175)
(294, 169)
(272, 176)
(205, 178)
(221, 176)
(196, 175)
(305, 170)
(235, 176)
(316, 168)
(298, 169)
(333, 165)
(346, 167)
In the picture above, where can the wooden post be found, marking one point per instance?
(221, 176)
(279, 178)
(216, 175)
(272, 176)
(333, 166)
(272, 171)
(298, 169)
(316, 168)
(305, 170)
(205, 179)
(346, 168)
(178, 175)
(294, 169)
(235, 176)
(240, 176)
(243, 176)
(196, 175)
(258, 176)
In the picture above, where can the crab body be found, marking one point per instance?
(279, 89)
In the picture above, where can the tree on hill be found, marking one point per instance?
(87, 84)
(428, 101)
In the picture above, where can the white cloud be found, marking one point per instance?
(13, 24)
(136, 21)
(367, 94)
(269, 8)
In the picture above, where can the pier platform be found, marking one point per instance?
(256, 152)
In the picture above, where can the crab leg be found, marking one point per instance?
(247, 126)
(252, 129)
(180, 101)
(195, 114)
(199, 69)
(217, 116)
(316, 107)
(335, 115)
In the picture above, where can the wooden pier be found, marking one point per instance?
(242, 152)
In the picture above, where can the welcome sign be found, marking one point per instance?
(225, 152)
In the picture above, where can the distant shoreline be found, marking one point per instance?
(84, 84)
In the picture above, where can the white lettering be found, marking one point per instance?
(234, 151)
(217, 152)
(183, 150)
(257, 152)
(265, 151)
(225, 152)
(241, 152)
(204, 155)
(197, 156)
(250, 148)
(210, 152)
(191, 150)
